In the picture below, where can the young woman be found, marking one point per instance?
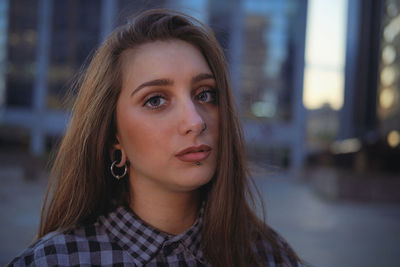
(151, 170)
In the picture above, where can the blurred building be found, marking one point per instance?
(47, 41)
(322, 127)
(44, 43)
(271, 85)
(371, 111)
(389, 74)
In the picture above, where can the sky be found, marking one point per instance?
(325, 53)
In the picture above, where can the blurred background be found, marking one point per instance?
(317, 84)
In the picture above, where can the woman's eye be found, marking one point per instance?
(155, 102)
(207, 96)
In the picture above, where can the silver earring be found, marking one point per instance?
(197, 163)
(204, 127)
(116, 175)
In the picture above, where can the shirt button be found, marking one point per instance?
(168, 249)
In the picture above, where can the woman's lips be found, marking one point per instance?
(194, 153)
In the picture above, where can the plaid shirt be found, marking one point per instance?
(123, 239)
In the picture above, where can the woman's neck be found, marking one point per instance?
(170, 212)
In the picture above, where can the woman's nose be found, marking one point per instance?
(192, 121)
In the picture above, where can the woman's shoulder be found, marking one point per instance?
(273, 248)
(81, 245)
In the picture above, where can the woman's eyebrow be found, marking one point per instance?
(202, 76)
(157, 82)
(165, 82)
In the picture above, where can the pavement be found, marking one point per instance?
(328, 232)
(20, 204)
(323, 232)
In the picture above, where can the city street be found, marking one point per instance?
(331, 233)
(323, 232)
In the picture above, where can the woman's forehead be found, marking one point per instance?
(160, 59)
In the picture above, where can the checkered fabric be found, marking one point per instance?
(117, 239)
(123, 239)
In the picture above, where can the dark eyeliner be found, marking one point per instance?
(147, 99)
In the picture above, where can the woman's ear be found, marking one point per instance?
(118, 153)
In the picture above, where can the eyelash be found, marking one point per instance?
(213, 93)
(157, 96)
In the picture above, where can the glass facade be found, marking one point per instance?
(74, 35)
(127, 8)
(3, 49)
(267, 61)
(21, 52)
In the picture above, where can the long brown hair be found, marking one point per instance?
(81, 186)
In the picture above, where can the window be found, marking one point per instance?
(21, 50)
(75, 34)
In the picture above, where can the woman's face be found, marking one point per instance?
(167, 116)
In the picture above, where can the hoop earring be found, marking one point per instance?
(204, 127)
(116, 175)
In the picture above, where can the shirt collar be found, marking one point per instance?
(143, 241)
